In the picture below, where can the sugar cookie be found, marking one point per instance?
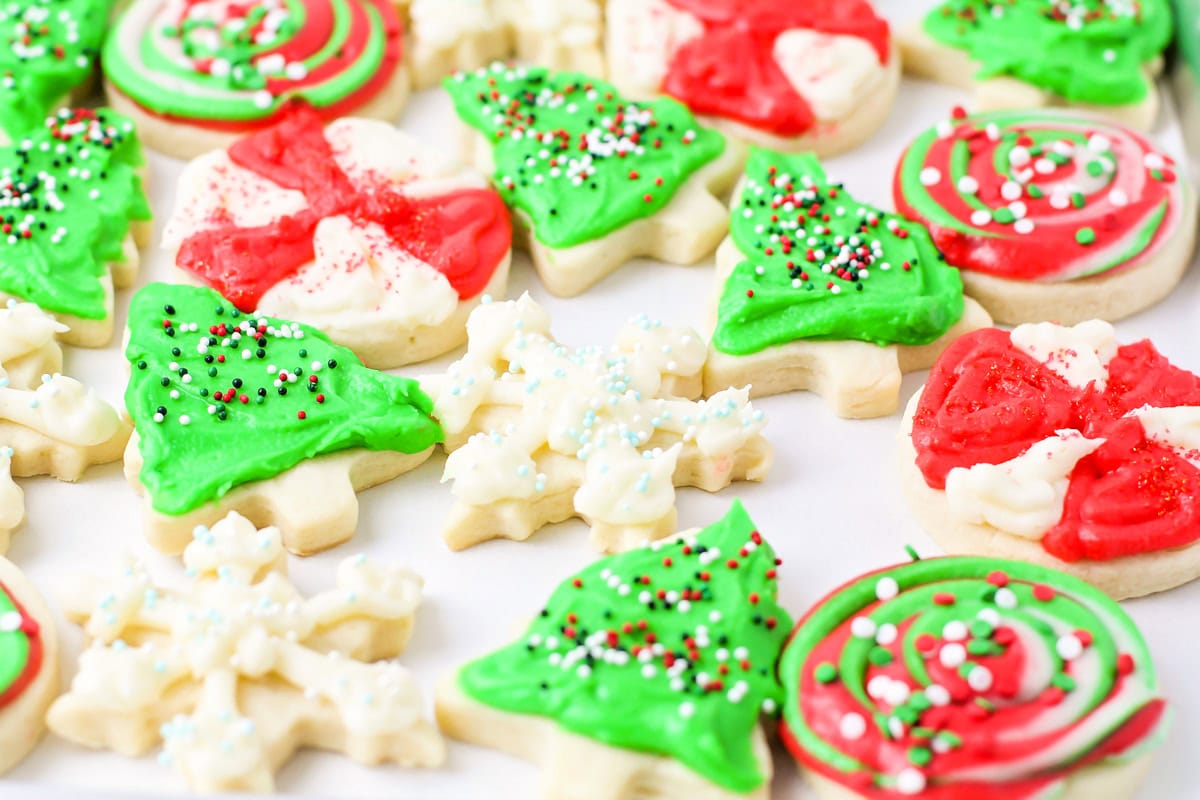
(815, 76)
(197, 75)
(76, 214)
(1097, 56)
(817, 291)
(970, 677)
(1061, 447)
(594, 179)
(1050, 216)
(354, 229)
(239, 671)
(49, 58)
(247, 413)
(644, 676)
(49, 424)
(12, 499)
(28, 665)
(453, 35)
(539, 432)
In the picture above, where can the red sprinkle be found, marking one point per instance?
(943, 599)
(997, 578)
(1043, 592)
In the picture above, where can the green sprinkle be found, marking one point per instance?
(920, 702)
(880, 656)
(1095, 168)
(980, 647)
(920, 756)
(912, 552)
(950, 739)
(1085, 236)
(825, 672)
(1078, 200)
(1003, 215)
(923, 733)
(1063, 681)
(1034, 192)
(981, 629)
(907, 714)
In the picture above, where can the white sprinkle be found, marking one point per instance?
(1069, 647)
(1010, 190)
(952, 655)
(930, 176)
(1023, 226)
(968, 185)
(1005, 598)
(1118, 197)
(852, 726)
(910, 781)
(686, 709)
(937, 694)
(980, 679)
(887, 634)
(980, 217)
(863, 628)
(886, 588)
(954, 631)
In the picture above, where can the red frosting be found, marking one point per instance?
(464, 234)
(33, 663)
(987, 402)
(730, 71)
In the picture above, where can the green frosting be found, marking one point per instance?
(1088, 51)
(221, 398)
(574, 155)
(49, 49)
(820, 265)
(669, 649)
(14, 645)
(68, 191)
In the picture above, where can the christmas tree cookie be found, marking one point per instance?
(28, 665)
(197, 75)
(453, 35)
(1098, 55)
(1050, 215)
(644, 675)
(352, 228)
(539, 432)
(594, 178)
(241, 412)
(72, 213)
(237, 671)
(48, 58)
(49, 424)
(818, 76)
(818, 291)
(970, 678)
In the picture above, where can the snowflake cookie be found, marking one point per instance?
(236, 674)
(49, 424)
(540, 432)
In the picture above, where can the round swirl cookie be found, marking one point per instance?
(354, 229)
(1093, 55)
(72, 214)
(196, 75)
(594, 179)
(1060, 446)
(957, 678)
(28, 665)
(1050, 216)
(645, 675)
(817, 291)
(48, 58)
(266, 417)
(816, 76)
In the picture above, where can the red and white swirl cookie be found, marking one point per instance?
(1050, 215)
(28, 665)
(970, 679)
(352, 228)
(1062, 447)
(818, 76)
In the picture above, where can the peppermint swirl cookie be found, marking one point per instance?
(952, 678)
(47, 58)
(196, 74)
(1063, 447)
(1050, 215)
(353, 228)
(1101, 55)
(28, 665)
(819, 75)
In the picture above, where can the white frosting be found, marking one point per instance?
(1079, 354)
(12, 499)
(1024, 495)
(833, 73)
(441, 23)
(643, 36)
(243, 621)
(360, 277)
(25, 329)
(601, 406)
(1177, 427)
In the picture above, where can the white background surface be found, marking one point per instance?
(831, 508)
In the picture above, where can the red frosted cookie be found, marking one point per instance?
(28, 665)
(353, 229)
(817, 76)
(1060, 446)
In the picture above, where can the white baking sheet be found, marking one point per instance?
(831, 508)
